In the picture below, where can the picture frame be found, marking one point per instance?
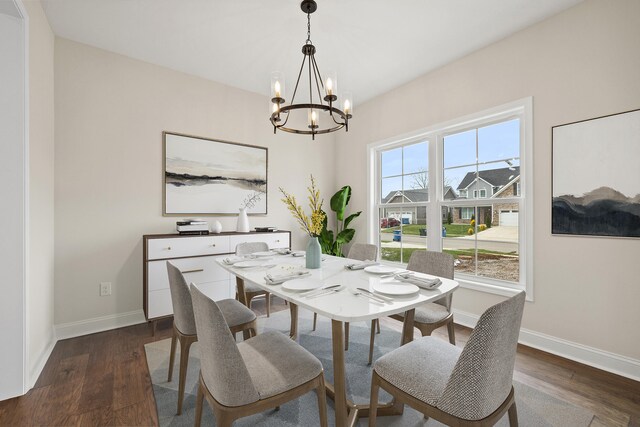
(596, 178)
(205, 176)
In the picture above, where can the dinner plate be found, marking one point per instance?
(396, 288)
(263, 253)
(305, 284)
(380, 269)
(247, 264)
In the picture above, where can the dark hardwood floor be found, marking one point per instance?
(103, 379)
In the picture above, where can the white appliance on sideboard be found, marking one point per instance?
(195, 256)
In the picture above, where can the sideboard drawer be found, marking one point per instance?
(196, 270)
(187, 246)
(159, 304)
(274, 240)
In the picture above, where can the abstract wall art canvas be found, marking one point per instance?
(206, 176)
(596, 176)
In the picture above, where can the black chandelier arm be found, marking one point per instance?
(315, 65)
(295, 90)
(316, 74)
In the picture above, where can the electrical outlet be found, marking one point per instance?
(105, 289)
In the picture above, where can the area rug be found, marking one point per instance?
(535, 408)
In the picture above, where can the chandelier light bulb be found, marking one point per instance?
(277, 88)
(329, 86)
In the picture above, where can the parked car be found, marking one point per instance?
(389, 222)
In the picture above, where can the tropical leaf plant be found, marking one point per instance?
(332, 242)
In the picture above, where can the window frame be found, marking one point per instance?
(434, 135)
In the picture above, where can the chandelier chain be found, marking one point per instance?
(308, 28)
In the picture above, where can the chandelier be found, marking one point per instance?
(323, 116)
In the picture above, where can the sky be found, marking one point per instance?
(496, 144)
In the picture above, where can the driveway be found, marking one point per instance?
(497, 234)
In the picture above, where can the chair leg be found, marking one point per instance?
(452, 332)
(346, 336)
(373, 403)
(172, 357)
(513, 415)
(378, 324)
(372, 339)
(322, 401)
(199, 401)
(185, 345)
(267, 299)
(315, 319)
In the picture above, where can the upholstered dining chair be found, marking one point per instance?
(433, 315)
(238, 318)
(360, 252)
(462, 387)
(252, 376)
(251, 290)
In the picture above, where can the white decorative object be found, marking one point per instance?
(243, 221)
(216, 228)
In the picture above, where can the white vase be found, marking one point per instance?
(216, 227)
(243, 221)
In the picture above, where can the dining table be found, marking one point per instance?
(345, 303)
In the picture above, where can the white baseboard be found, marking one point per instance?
(98, 324)
(601, 359)
(37, 368)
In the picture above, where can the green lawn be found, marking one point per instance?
(453, 230)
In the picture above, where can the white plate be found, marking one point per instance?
(247, 264)
(380, 269)
(261, 254)
(396, 288)
(305, 284)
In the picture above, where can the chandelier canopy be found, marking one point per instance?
(323, 114)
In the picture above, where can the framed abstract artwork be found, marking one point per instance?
(205, 176)
(596, 176)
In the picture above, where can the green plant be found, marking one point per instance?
(487, 220)
(331, 242)
(449, 218)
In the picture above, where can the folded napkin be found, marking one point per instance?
(421, 282)
(276, 279)
(360, 265)
(233, 259)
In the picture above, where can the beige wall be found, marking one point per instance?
(40, 291)
(579, 64)
(110, 114)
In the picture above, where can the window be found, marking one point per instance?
(466, 213)
(403, 200)
(479, 156)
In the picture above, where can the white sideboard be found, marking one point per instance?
(195, 257)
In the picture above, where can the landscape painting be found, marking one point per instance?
(596, 177)
(205, 176)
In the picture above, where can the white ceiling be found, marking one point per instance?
(374, 45)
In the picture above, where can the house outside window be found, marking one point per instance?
(479, 156)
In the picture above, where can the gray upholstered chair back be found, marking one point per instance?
(251, 247)
(181, 301)
(436, 263)
(483, 375)
(363, 252)
(223, 370)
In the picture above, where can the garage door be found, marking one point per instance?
(509, 218)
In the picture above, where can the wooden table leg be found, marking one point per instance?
(407, 327)
(242, 296)
(339, 381)
(293, 333)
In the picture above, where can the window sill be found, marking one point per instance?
(506, 291)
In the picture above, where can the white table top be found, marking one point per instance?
(344, 305)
